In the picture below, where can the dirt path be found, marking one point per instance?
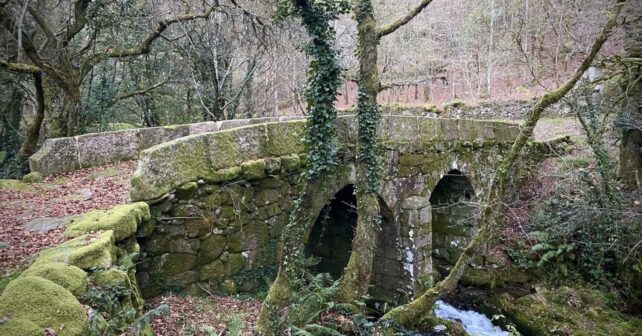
(41, 206)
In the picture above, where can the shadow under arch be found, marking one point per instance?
(455, 217)
(330, 240)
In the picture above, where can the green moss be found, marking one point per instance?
(284, 138)
(290, 163)
(187, 190)
(212, 271)
(22, 327)
(211, 249)
(253, 170)
(33, 177)
(234, 264)
(122, 219)
(42, 303)
(225, 151)
(548, 313)
(70, 277)
(111, 277)
(14, 185)
(225, 174)
(86, 252)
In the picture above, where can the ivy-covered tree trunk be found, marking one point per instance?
(356, 277)
(416, 311)
(630, 163)
(324, 79)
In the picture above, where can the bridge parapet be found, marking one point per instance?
(206, 156)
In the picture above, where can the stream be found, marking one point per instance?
(474, 323)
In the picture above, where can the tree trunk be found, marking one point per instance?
(356, 277)
(33, 134)
(630, 163)
(67, 122)
(413, 313)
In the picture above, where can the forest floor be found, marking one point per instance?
(27, 212)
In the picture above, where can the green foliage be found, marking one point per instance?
(368, 118)
(575, 237)
(324, 80)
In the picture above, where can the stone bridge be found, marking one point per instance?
(221, 200)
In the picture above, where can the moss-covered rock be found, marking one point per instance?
(36, 301)
(122, 219)
(211, 249)
(272, 166)
(291, 163)
(70, 277)
(33, 177)
(187, 190)
(212, 271)
(565, 311)
(234, 264)
(225, 174)
(86, 252)
(253, 170)
(22, 327)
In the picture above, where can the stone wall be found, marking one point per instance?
(96, 149)
(84, 285)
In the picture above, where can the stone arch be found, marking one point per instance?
(455, 215)
(331, 236)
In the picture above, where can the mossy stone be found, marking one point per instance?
(158, 244)
(197, 227)
(173, 263)
(225, 175)
(33, 177)
(70, 277)
(45, 304)
(111, 277)
(211, 249)
(272, 166)
(291, 163)
(187, 190)
(86, 252)
(235, 263)
(267, 196)
(253, 170)
(212, 271)
(22, 327)
(146, 228)
(122, 219)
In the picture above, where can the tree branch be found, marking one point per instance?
(80, 20)
(392, 27)
(19, 67)
(144, 45)
(137, 93)
(51, 38)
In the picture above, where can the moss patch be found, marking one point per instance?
(253, 170)
(14, 185)
(86, 252)
(36, 301)
(565, 311)
(69, 277)
(123, 220)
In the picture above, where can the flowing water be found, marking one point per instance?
(474, 323)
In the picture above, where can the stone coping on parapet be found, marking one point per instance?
(59, 155)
